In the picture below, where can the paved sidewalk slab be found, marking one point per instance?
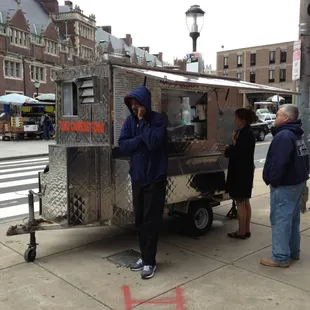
(13, 149)
(298, 275)
(87, 269)
(8, 257)
(31, 287)
(306, 232)
(51, 242)
(217, 245)
(261, 211)
(231, 288)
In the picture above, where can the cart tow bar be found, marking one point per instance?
(30, 227)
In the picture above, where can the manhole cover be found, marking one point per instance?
(125, 258)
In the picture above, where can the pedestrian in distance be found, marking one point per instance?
(241, 170)
(286, 171)
(144, 138)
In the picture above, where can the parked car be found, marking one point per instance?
(269, 118)
(262, 111)
(273, 129)
(260, 129)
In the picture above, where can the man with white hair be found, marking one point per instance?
(286, 171)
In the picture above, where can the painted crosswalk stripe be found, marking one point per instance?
(17, 175)
(21, 165)
(15, 195)
(23, 161)
(19, 182)
(17, 210)
(23, 169)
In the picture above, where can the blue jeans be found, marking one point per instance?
(285, 221)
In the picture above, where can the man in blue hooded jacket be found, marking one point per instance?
(286, 171)
(144, 137)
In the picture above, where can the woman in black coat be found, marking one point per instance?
(241, 169)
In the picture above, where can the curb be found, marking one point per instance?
(23, 156)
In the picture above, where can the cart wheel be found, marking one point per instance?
(30, 255)
(199, 218)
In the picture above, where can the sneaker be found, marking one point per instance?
(137, 266)
(148, 272)
(271, 263)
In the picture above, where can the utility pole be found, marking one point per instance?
(303, 99)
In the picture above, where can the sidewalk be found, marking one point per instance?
(16, 149)
(73, 270)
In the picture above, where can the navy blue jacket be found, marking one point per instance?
(287, 161)
(145, 141)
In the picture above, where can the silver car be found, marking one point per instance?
(268, 118)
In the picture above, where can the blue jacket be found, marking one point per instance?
(287, 161)
(145, 141)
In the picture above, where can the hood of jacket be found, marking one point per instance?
(294, 126)
(143, 96)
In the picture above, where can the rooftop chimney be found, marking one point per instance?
(69, 4)
(107, 29)
(128, 39)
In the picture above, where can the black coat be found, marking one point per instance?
(241, 164)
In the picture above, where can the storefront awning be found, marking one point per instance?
(208, 81)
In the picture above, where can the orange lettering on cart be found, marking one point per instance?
(98, 127)
(64, 125)
(81, 126)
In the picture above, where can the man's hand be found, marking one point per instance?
(141, 112)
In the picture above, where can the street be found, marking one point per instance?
(17, 177)
(261, 150)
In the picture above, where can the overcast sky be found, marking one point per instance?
(161, 24)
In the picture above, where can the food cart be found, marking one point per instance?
(86, 182)
(24, 120)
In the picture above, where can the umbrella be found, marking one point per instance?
(46, 97)
(16, 99)
(275, 98)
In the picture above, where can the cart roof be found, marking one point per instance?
(215, 82)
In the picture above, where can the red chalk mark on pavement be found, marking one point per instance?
(178, 300)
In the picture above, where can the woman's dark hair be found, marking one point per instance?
(246, 115)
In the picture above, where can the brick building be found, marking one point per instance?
(38, 37)
(267, 64)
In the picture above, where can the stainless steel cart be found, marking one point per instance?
(86, 182)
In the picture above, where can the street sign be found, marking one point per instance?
(296, 60)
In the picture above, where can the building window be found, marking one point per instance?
(51, 47)
(69, 99)
(18, 37)
(86, 52)
(252, 77)
(272, 57)
(12, 69)
(35, 39)
(253, 59)
(282, 75)
(239, 61)
(87, 32)
(225, 62)
(271, 76)
(37, 73)
(283, 56)
(239, 75)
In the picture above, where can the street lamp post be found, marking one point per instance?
(37, 86)
(194, 21)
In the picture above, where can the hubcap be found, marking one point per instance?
(201, 218)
